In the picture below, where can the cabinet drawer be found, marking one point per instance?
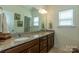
(51, 35)
(43, 44)
(43, 38)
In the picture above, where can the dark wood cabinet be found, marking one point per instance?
(50, 41)
(43, 44)
(44, 50)
(24, 47)
(17, 49)
(34, 49)
(40, 45)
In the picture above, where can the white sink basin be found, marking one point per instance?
(22, 38)
(35, 36)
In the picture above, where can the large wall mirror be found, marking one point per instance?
(22, 19)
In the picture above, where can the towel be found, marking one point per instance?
(0, 23)
(4, 24)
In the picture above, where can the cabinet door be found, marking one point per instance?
(43, 44)
(33, 49)
(50, 41)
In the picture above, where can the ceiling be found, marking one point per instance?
(36, 6)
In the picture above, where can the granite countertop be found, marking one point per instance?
(17, 41)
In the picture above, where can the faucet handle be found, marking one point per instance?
(19, 35)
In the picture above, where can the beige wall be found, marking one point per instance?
(64, 36)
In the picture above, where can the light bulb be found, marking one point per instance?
(42, 11)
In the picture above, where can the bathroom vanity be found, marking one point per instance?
(36, 43)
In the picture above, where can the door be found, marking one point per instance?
(26, 24)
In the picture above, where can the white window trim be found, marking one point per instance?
(72, 20)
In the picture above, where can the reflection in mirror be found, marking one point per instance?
(22, 18)
(26, 24)
(36, 21)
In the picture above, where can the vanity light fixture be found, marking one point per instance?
(42, 11)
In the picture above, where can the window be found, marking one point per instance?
(36, 21)
(66, 18)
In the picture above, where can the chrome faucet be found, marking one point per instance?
(19, 35)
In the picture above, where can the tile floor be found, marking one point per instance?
(63, 50)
